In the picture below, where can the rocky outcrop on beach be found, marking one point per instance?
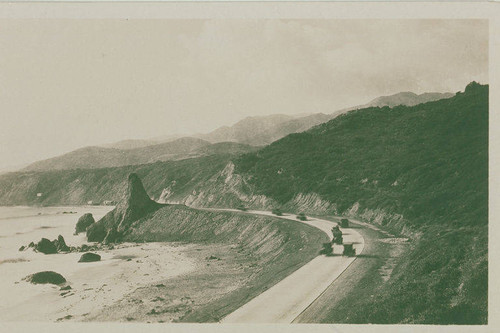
(89, 257)
(58, 245)
(85, 221)
(45, 277)
(61, 244)
(45, 246)
(135, 205)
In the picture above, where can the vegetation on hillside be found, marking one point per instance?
(428, 164)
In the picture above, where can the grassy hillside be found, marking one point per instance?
(428, 162)
(421, 171)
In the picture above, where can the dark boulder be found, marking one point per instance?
(135, 205)
(61, 244)
(85, 221)
(89, 257)
(45, 246)
(46, 277)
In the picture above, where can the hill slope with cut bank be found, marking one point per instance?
(277, 247)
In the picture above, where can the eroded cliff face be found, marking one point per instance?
(224, 189)
(228, 189)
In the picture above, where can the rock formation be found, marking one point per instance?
(89, 257)
(135, 205)
(46, 277)
(45, 246)
(85, 221)
(61, 244)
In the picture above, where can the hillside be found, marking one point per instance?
(77, 187)
(421, 171)
(253, 131)
(99, 157)
(406, 98)
(275, 247)
(258, 131)
(131, 144)
(366, 157)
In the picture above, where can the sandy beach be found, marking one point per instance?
(93, 285)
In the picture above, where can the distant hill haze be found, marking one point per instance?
(403, 98)
(258, 131)
(99, 157)
(262, 130)
(245, 135)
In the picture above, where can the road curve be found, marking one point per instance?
(287, 299)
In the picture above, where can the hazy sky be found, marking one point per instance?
(66, 84)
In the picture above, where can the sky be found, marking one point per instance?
(66, 84)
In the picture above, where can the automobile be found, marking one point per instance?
(301, 216)
(277, 212)
(242, 208)
(349, 250)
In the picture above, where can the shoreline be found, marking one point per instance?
(215, 278)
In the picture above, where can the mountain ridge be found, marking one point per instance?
(252, 130)
(95, 157)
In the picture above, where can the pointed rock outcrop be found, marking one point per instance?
(135, 205)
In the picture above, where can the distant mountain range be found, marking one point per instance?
(258, 131)
(245, 136)
(100, 157)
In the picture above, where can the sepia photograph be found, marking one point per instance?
(244, 170)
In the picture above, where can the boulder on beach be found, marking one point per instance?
(61, 244)
(45, 246)
(89, 257)
(49, 247)
(135, 205)
(46, 277)
(85, 221)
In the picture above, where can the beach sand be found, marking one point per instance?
(93, 285)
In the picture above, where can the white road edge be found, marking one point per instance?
(286, 300)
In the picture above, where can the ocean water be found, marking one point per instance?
(21, 225)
